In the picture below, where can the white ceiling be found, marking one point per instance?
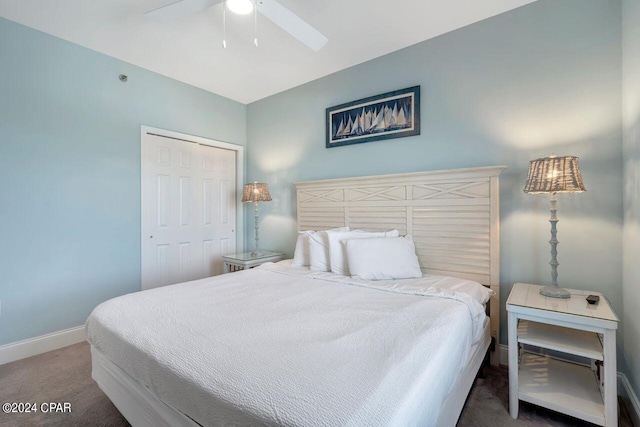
(189, 49)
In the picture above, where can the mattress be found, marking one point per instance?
(283, 346)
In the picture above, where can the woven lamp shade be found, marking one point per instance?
(554, 175)
(256, 192)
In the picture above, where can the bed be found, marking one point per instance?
(283, 345)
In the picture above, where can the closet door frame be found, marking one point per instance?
(239, 149)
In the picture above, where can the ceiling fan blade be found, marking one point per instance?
(292, 23)
(179, 9)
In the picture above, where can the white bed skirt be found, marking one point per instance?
(138, 405)
(453, 404)
(143, 409)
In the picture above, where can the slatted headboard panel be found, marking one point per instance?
(453, 216)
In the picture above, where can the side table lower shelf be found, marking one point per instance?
(561, 386)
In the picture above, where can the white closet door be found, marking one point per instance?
(188, 210)
(218, 184)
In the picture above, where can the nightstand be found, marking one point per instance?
(574, 330)
(243, 261)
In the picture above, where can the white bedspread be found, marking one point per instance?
(284, 346)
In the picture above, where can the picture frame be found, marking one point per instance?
(389, 115)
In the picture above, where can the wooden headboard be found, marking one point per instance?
(453, 216)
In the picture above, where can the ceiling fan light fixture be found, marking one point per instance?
(240, 7)
(270, 9)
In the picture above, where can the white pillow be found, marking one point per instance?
(337, 252)
(319, 249)
(475, 290)
(386, 258)
(301, 254)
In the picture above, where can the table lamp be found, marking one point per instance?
(256, 192)
(553, 175)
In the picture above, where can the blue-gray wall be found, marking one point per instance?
(70, 173)
(541, 79)
(631, 120)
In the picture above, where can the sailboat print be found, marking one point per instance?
(381, 124)
(371, 118)
(374, 120)
(355, 127)
(387, 115)
(367, 121)
(402, 118)
(362, 116)
(347, 128)
(340, 130)
(393, 120)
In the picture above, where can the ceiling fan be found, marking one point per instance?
(271, 9)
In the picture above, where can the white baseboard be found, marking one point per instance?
(33, 346)
(504, 354)
(630, 398)
(624, 388)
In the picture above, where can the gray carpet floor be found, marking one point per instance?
(65, 376)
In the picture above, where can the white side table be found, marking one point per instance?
(243, 261)
(570, 326)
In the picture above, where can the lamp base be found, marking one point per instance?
(555, 292)
(257, 253)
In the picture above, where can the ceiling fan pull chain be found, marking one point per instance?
(255, 26)
(224, 24)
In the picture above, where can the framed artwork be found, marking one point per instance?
(390, 115)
